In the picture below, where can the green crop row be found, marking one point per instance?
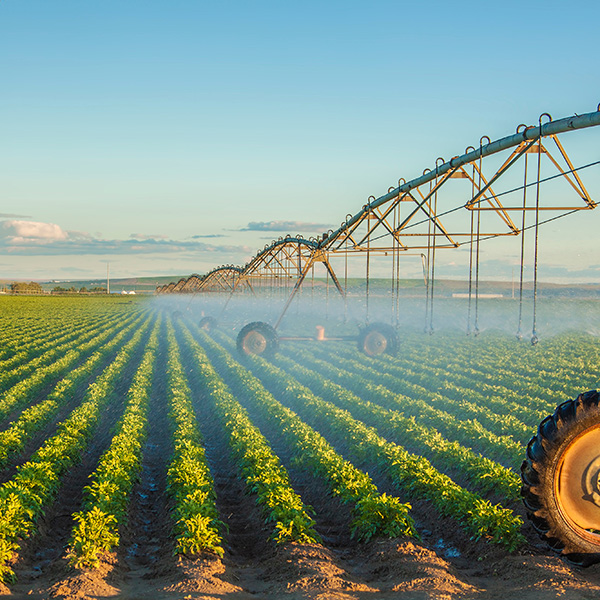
(20, 333)
(258, 466)
(30, 336)
(55, 338)
(26, 321)
(39, 356)
(14, 437)
(189, 482)
(413, 474)
(21, 393)
(543, 375)
(106, 498)
(374, 514)
(24, 497)
(485, 475)
(468, 432)
(518, 414)
(504, 424)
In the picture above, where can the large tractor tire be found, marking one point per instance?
(561, 480)
(378, 338)
(258, 338)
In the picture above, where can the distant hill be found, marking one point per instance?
(443, 287)
(140, 285)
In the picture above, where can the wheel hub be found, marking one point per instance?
(375, 343)
(254, 343)
(591, 482)
(578, 484)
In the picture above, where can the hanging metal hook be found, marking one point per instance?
(437, 166)
(526, 129)
(540, 120)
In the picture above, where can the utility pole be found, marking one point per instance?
(108, 278)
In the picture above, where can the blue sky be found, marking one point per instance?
(171, 137)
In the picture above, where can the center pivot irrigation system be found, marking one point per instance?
(508, 187)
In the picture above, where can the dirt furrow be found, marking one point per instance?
(146, 549)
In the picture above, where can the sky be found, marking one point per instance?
(172, 137)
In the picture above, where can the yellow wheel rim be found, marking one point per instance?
(577, 486)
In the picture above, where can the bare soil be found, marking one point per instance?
(376, 571)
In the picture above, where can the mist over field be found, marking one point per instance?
(554, 315)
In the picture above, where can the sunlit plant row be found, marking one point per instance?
(14, 437)
(452, 425)
(258, 466)
(41, 355)
(500, 366)
(374, 514)
(24, 498)
(49, 346)
(197, 526)
(106, 498)
(483, 474)
(501, 425)
(411, 473)
(26, 390)
(29, 322)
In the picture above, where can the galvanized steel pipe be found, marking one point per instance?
(530, 133)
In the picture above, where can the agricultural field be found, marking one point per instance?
(142, 457)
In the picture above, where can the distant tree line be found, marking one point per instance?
(22, 287)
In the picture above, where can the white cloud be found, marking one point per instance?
(33, 238)
(17, 232)
(288, 226)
